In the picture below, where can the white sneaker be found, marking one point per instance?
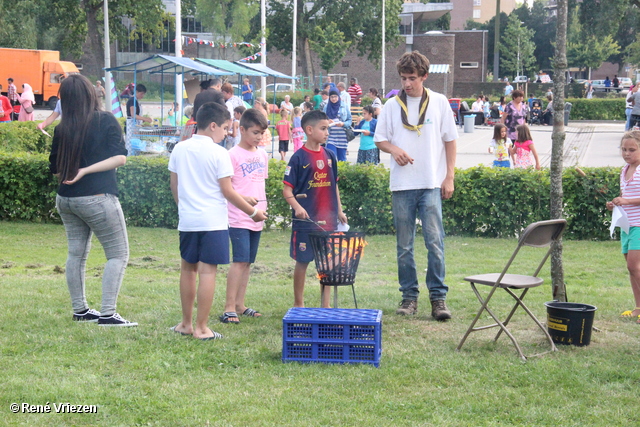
(115, 320)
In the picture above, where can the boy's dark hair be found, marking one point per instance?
(324, 92)
(141, 88)
(212, 112)
(308, 106)
(316, 91)
(312, 118)
(369, 109)
(413, 62)
(239, 109)
(253, 117)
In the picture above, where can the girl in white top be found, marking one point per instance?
(500, 146)
(630, 202)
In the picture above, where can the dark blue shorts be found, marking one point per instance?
(300, 248)
(210, 247)
(244, 244)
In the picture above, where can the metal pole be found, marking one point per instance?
(263, 47)
(178, 77)
(383, 64)
(293, 50)
(107, 59)
(496, 44)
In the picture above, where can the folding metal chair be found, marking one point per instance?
(539, 234)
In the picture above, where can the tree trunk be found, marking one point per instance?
(93, 53)
(557, 150)
(307, 63)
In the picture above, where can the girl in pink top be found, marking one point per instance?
(524, 152)
(297, 132)
(630, 202)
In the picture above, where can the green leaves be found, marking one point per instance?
(330, 45)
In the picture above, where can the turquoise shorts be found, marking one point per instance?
(631, 241)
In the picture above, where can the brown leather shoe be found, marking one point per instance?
(407, 307)
(439, 310)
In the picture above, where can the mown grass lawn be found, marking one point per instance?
(151, 376)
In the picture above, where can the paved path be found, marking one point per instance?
(590, 144)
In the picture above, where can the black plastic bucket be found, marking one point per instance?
(570, 323)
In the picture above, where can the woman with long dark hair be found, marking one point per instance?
(87, 148)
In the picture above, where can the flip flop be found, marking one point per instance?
(216, 336)
(228, 315)
(250, 312)
(176, 331)
(627, 313)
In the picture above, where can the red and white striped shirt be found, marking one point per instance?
(355, 92)
(631, 190)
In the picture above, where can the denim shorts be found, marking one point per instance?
(210, 247)
(631, 241)
(300, 248)
(501, 164)
(244, 244)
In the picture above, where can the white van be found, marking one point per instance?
(521, 79)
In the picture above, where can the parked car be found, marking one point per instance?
(521, 79)
(598, 85)
(281, 87)
(625, 83)
(544, 78)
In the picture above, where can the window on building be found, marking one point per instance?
(406, 24)
(469, 65)
(476, 14)
(477, 2)
(345, 64)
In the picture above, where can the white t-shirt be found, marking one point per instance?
(427, 149)
(200, 163)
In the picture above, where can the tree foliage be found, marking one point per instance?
(349, 17)
(517, 48)
(330, 45)
(585, 50)
(227, 18)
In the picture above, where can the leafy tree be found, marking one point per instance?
(17, 26)
(330, 45)
(350, 18)
(544, 31)
(227, 18)
(633, 52)
(601, 18)
(586, 50)
(625, 36)
(516, 48)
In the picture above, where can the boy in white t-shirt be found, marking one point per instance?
(201, 185)
(250, 167)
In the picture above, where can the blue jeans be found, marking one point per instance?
(82, 216)
(627, 111)
(341, 153)
(427, 205)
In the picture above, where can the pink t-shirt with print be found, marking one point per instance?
(249, 176)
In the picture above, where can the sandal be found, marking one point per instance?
(627, 313)
(250, 312)
(228, 315)
(216, 336)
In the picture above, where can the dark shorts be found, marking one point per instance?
(244, 244)
(210, 247)
(300, 248)
(283, 146)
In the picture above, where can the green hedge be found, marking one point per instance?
(488, 202)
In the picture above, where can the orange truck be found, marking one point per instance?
(42, 69)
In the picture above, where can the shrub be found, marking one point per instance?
(597, 109)
(27, 188)
(488, 202)
(24, 136)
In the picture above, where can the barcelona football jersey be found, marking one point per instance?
(314, 174)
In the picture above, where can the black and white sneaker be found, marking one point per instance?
(90, 315)
(114, 320)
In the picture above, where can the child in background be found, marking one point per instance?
(313, 171)
(234, 132)
(368, 152)
(297, 133)
(201, 174)
(250, 165)
(630, 202)
(524, 149)
(283, 127)
(500, 146)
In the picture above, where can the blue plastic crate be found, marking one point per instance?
(330, 335)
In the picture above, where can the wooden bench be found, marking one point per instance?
(356, 111)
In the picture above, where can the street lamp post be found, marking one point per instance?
(383, 65)
(107, 58)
